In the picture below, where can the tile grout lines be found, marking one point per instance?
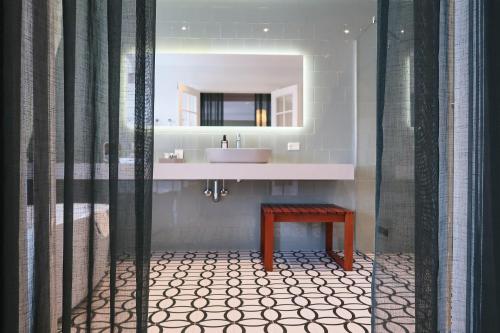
(228, 291)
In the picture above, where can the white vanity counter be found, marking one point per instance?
(255, 171)
(197, 171)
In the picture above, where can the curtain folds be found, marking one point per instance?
(439, 172)
(490, 268)
(446, 157)
(69, 19)
(212, 109)
(10, 97)
(426, 164)
(78, 177)
(114, 57)
(143, 151)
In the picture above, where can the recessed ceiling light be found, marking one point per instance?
(265, 29)
(346, 31)
(402, 31)
(184, 28)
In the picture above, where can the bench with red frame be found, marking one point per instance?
(312, 213)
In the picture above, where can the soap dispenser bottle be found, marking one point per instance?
(224, 144)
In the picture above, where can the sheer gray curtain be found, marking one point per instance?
(435, 185)
(490, 268)
(394, 266)
(78, 156)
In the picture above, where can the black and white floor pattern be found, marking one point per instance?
(395, 296)
(228, 291)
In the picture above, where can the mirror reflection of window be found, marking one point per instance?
(188, 106)
(235, 109)
(239, 110)
(284, 109)
(212, 109)
(190, 88)
(262, 110)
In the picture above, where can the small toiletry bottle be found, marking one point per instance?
(224, 144)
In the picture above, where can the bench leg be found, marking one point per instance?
(329, 237)
(262, 233)
(268, 242)
(348, 241)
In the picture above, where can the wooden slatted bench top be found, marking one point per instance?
(303, 209)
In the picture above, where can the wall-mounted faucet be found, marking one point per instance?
(217, 192)
(238, 141)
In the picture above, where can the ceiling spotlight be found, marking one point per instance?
(346, 31)
(184, 28)
(265, 29)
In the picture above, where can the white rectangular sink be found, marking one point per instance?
(238, 155)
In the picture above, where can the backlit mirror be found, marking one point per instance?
(228, 90)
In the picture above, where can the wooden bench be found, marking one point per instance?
(329, 214)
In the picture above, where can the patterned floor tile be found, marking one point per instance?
(228, 291)
(395, 297)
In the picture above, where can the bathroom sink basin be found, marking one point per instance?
(238, 155)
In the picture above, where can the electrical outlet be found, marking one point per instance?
(293, 145)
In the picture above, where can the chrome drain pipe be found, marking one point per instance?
(217, 192)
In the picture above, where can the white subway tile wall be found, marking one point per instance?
(313, 29)
(183, 219)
